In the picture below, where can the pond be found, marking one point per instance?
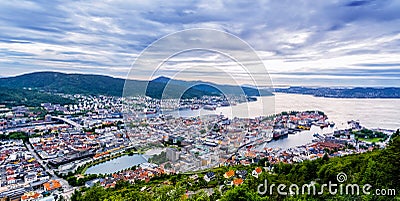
(117, 164)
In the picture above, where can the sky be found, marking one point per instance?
(310, 43)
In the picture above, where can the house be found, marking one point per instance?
(194, 177)
(30, 177)
(229, 174)
(14, 194)
(31, 196)
(209, 176)
(238, 181)
(256, 172)
(11, 180)
(48, 198)
(52, 185)
(228, 183)
(91, 183)
(241, 173)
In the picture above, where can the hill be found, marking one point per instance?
(188, 89)
(105, 85)
(15, 97)
(66, 83)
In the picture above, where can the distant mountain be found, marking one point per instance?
(105, 85)
(357, 92)
(162, 79)
(188, 89)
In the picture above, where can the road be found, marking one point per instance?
(68, 121)
(68, 190)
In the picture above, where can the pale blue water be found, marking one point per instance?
(372, 113)
(298, 139)
(116, 165)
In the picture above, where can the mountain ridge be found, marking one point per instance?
(347, 92)
(159, 87)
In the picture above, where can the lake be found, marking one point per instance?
(116, 165)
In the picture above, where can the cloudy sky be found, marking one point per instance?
(344, 43)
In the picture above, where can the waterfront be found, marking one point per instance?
(298, 139)
(116, 165)
(372, 113)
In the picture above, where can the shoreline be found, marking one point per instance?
(331, 97)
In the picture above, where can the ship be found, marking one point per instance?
(317, 137)
(183, 107)
(251, 99)
(321, 124)
(225, 104)
(150, 111)
(194, 107)
(210, 107)
(303, 127)
(280, 133)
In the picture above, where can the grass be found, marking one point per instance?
(371, 140)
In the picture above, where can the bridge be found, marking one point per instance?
(68, 121)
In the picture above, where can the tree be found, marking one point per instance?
(169, 193)
(199, 196)
(94, 194)
(325, 157)
(241, 193)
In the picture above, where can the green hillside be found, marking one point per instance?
(66, 83)
(105, 85)
(14, 97)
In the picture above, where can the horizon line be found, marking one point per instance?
(281, 85)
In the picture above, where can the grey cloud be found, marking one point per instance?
(296, 32)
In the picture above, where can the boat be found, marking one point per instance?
(150, 111)
(210, 107)
(250, 99)
(280, 133)
(303, 127)
(194, 107)
(321, 124)
(183, 107)
(225, 104)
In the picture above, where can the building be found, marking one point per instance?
(172, 154)
(14, 194)
(47, 118)
(52, 185)
(229, 174)
(256, 172)
(31, 196)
